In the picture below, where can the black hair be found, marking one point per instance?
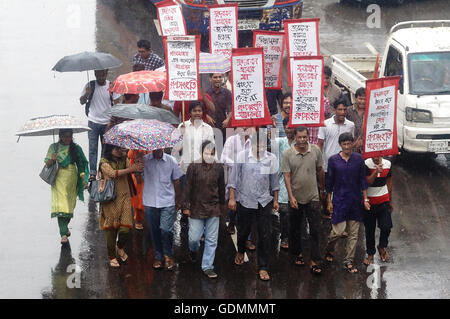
(301, 129)
(129, 96)
(144, 44)
(360, 92)
(206, 144)
(327, 70)
(98, 71)
(285, 96)
(73, 152)
(107, 152)
(193, 104)
(286, 121)
(346, 137)
(156, 95)
(338, 102)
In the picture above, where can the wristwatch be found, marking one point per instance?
(366, 200)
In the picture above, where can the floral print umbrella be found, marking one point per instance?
(146, 135)
(139, 82)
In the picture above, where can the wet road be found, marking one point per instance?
(32, 262)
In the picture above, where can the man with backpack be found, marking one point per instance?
(98, 102)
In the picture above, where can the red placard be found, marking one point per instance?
(307, 105)
(302, 42)
(272, 43)
(247, 83)
(170, 13)
(229, 37)
(182, 67)
(380, 120)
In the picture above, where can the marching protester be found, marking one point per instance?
(355, 114)
(346, 186)
(222, 100)
(195, 132)
(328, 138)
(98, 102)
(253, 185)
(71, 179)
(285, 108)
(116, 217)
(145, 56)
(161, 198)
(332, 91)
(302, 168)
(136, 156)
(284, 143)
(233, 146)
(379, 192)
(203, 203)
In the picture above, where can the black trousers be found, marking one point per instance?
(262, 216)
(296, 217)
(382, 214)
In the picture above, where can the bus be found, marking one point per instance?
(252, 15)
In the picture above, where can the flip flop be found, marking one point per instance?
(383, 253)
(299, 261)
(263, 275)
(316, 270)
(350, 268)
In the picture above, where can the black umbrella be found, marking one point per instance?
(86, 61)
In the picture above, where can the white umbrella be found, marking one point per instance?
(50, 125)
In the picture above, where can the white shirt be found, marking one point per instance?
(100, 104)
(330, 134)
(193, 138)
(233, 146)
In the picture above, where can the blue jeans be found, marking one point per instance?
(97, 130)
(161, 222)
(210, 227)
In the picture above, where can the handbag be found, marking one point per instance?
(102, 190)
(48, 174)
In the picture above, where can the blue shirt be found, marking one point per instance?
(254, 180)
(159, 175)
(346, 180)
(279, 127)
(283, 145)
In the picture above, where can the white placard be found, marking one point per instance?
(380, 120)
(182, 55)
(248, 88)
(272, 45)
(171, 20)
(307, 98)
(223, 30)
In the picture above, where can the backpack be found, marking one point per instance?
(88, 103)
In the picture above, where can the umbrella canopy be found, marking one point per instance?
(50, 125)
(139, 82)
(211, 63)
(142, 111)
(86, 61)
(147, 135)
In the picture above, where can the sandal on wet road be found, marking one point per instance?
(350, 268)
(316, 270)
(383, 253)
(368, 260)
(299, 261)
(263, 275)
(329, 257)
(113, 263)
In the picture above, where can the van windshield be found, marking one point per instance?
(429, 73)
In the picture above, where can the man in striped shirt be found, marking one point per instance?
(379, 192)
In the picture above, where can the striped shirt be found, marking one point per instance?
(378, 192)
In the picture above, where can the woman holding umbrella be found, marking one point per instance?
(116, 217)
(71, 180)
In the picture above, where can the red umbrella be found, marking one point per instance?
(139, 82)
